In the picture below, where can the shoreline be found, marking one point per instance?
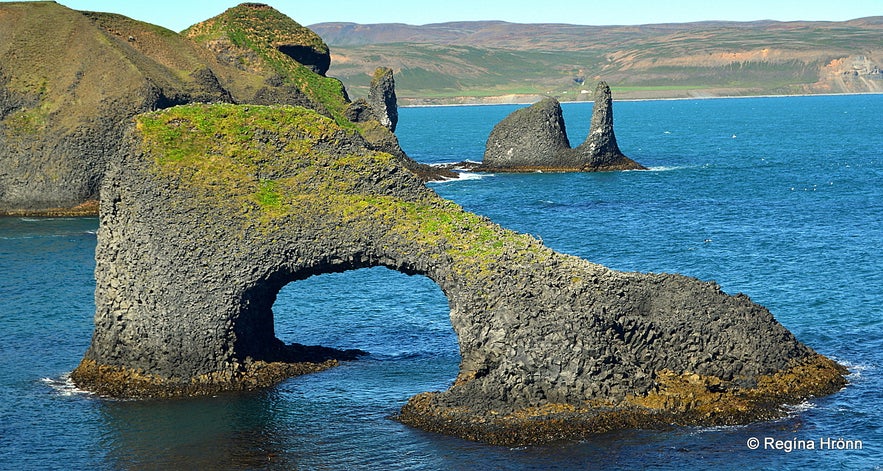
(723, 97)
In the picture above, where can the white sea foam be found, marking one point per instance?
(463, 176)
(856, 371)
(662, 169)
(64, 386)
(794, 409)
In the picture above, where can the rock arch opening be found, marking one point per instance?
(344, 312)
(381, 311)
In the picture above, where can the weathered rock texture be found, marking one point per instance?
(600, 149)
(216, 207)
(382, 98)
(71, 81)
(535, 139)
(529, 138)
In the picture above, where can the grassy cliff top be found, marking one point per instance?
(271, 164)
(70, 63)
(255, 29)
(254, 23)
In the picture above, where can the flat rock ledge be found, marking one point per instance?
(686, 399)
(215, 208)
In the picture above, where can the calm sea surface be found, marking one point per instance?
(778, 198)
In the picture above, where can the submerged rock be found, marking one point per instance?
(200, 229)
(535, 139)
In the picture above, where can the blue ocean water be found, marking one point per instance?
(779, 198)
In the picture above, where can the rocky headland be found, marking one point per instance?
(66, 104)
(214, 208)
(228, 166)
(535, 139)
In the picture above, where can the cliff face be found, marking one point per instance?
(67, 98)
(217, 207)
(69, 84)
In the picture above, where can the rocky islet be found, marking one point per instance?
(535, 139)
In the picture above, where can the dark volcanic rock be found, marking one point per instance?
(600, 149)
(201, 229)
(359, 111)
(532, 137)
(382, 98)
(317, 60)
(70, 83)
(535, 138)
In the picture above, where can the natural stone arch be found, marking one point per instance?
(255, 327)
(376, 311)
(218, 206)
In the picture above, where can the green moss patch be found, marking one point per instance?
(262, 30)
(283, 162)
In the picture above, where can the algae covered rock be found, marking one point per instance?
(217, 207)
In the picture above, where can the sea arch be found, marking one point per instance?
(384, 313)
(215, 207)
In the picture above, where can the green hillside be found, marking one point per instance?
(490, 59)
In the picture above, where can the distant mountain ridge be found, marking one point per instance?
(445, 61)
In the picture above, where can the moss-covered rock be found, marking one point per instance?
(68, 97)
(218, 207)
(69, 84)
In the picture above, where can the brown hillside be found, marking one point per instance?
(71, 82)
(449, 61)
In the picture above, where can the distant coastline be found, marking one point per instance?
(563, 102)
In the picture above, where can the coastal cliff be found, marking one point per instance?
(65, 105)
(69, 84)
(215, 208)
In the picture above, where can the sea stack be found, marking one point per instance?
(599, 150)
(382, 98)
(535, 139)
(529, 138)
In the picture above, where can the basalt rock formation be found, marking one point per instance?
(382, 98)
(530, 138)
(214, 208)
(535, 139)
(381, 104)
(69, 84)
(71, 81)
